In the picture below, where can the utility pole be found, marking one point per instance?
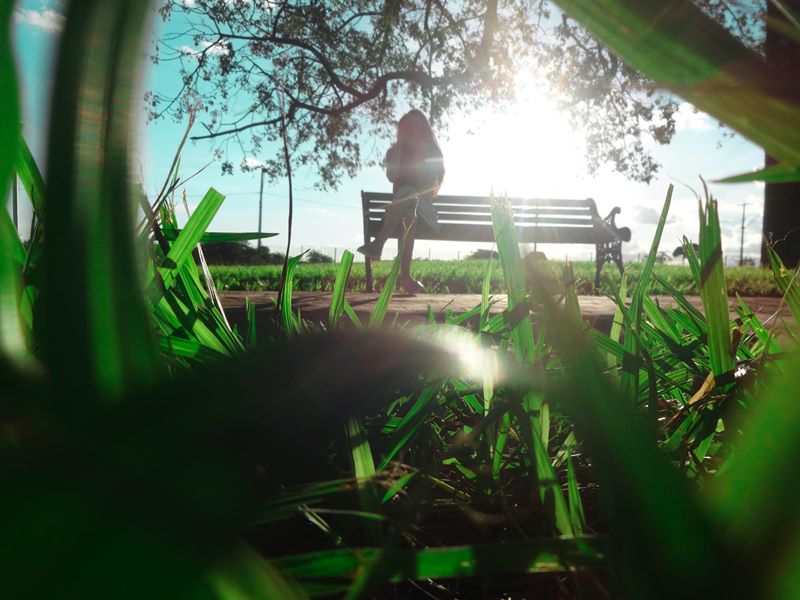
(741, 243)
(260, 204)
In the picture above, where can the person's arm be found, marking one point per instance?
(392, 164)
(437, 166)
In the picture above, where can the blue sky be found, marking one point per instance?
(530, 150)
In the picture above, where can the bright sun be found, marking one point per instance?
(528, 149)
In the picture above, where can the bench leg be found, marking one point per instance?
(598, 266)
(611, 252)
(368, 267)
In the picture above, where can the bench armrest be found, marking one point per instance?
(622, 233)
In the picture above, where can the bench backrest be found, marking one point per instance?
(469, 218)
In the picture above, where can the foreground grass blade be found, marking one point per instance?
(251, 331)
(181, 249)
(246, 575)
(9, 101)
(213, 237)
(713, 291)
(616, 325)
(630, 376)
(330, 572)
(364, 471)
(787, 282)
(771, 174)
(12, 338)
(94, 319)
(382, 305)
(508, 248)
(29, 176)
(664, 543)
(339, 289)
(291, 322)
(678, 46)
(756, 495)
(535, 418)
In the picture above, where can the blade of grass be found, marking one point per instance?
(331, 571)
(181, 249)
(771, 174)
(681, 48)
(29, 175)
(250, 330)
(575, 503)
(211, 237)
(246, 575)
(382, 305)
(94, 318)
(713, 291)
(351, 314)
(616, 325)
(13, 343)
(664, 542)
(630, 377)
(292, 324)
(412, 421)
(364, 471)
(787, 282)
(13, 336)
(339, 289)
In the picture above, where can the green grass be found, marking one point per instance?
(466, 277)
(454, 460)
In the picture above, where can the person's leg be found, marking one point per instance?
(408, 283)
(392, 223)
(407, 247)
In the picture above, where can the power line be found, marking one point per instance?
(303, 200)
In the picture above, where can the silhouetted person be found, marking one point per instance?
(415, 166)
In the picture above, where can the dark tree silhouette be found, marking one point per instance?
(341, 71)
(316, 257)
(483, 254)
(781, 223)
(679, 252)
(346, 69)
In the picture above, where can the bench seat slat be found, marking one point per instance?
(373, 198)
(578, 221)
(486, 210)
(470, 232)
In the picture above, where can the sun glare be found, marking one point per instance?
(528, 149)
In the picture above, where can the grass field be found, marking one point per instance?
(466, 277)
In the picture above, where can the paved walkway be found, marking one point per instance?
(598, 310)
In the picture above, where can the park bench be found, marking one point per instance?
(543, 221)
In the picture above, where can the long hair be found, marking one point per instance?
(415, 124)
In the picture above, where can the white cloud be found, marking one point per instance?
(688, 117)
(216, 48)
(647, 215)
(251, 163)
(46, 19)
(208, 47)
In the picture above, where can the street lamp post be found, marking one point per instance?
(260, 204)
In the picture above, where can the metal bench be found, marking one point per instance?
(538, 220)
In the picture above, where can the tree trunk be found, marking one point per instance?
(782, 200)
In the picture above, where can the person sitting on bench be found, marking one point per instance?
(415, 166)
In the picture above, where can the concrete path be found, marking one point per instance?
(598, 310)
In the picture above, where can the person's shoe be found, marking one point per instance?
(411, 286)
(370, 251)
